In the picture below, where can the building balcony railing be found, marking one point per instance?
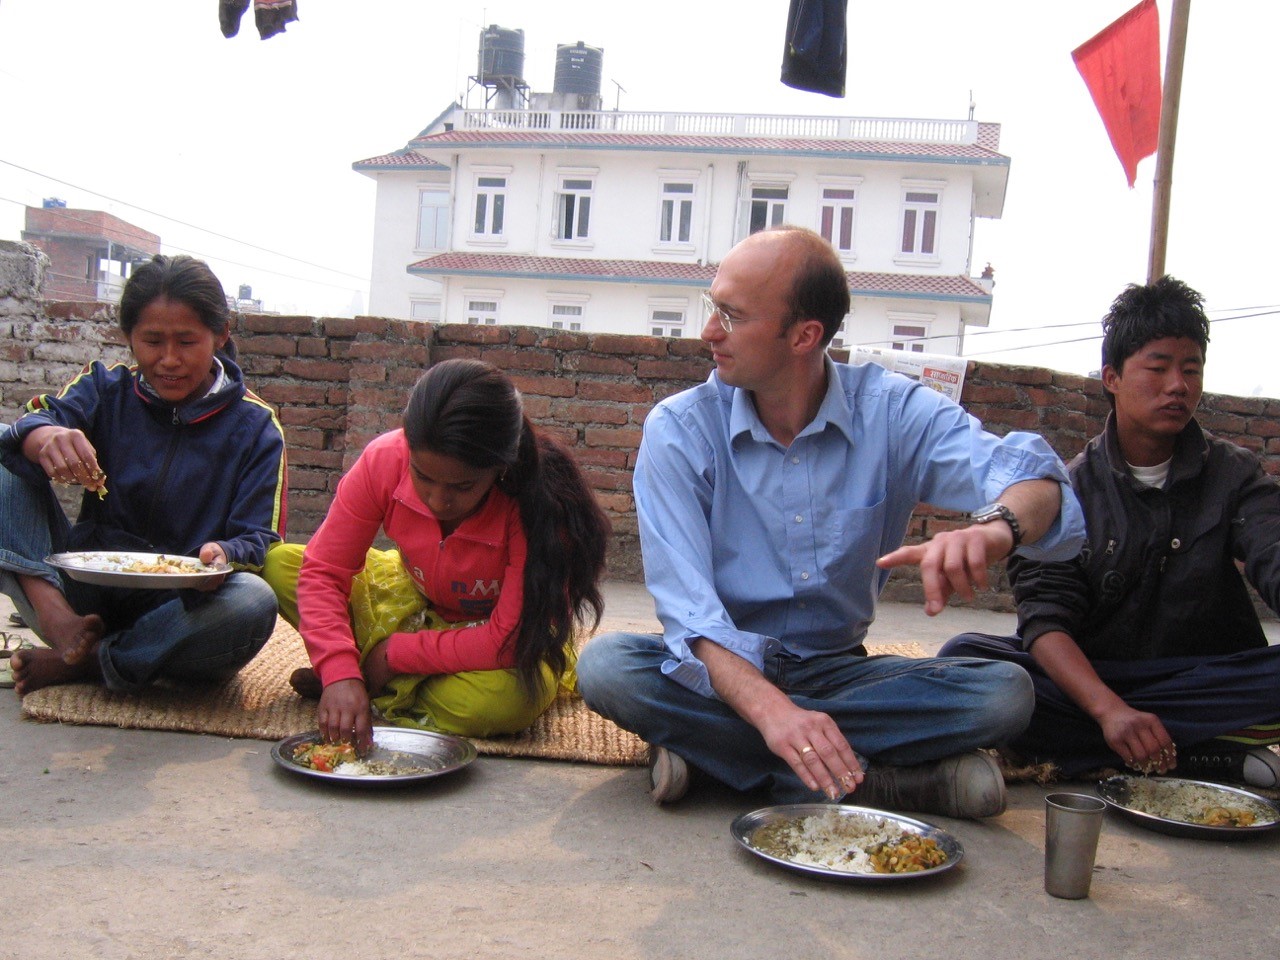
(897, 130)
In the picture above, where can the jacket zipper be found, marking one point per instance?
(164, 474)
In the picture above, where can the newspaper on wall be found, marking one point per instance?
(938, 371)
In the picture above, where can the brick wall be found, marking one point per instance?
(337, 383)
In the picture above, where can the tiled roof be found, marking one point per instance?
(703, 143)
(925, 284)
(400, 160)
(989, 135)
(514, 265)
(861, 283)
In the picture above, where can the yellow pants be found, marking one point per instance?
(475, 703)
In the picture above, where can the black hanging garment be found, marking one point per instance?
(816, 53)
(270, 16)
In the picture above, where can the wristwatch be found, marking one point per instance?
(998, 511)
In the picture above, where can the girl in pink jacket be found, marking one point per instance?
(467, 627)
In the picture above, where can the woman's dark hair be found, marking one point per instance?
(1142, 313)
(182, 279)
(471, 411)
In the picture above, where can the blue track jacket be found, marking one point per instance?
(177, 477)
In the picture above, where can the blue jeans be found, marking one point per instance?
(1196, 698)
(893, 710)
(187, 635)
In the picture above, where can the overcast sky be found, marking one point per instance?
(144, 109)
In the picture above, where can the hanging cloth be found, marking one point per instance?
(815, 56)
(270, 16)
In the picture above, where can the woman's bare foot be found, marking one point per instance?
(306, 683)
(33, 669)
(58, 625)
(74, 637)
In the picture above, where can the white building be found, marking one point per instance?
(609, 221)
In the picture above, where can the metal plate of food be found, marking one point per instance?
(399, 755)
(1190, 808)
(842, 842)
(121, 568)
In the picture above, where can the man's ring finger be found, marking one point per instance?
(807, 749)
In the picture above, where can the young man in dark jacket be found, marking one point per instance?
(1146, 650)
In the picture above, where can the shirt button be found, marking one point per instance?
(795, 459)
(799, 519)
(805, 575)
(1176, 543)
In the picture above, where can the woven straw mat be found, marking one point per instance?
(259, 703)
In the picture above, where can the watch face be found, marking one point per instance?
(998, 511)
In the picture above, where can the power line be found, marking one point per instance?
(1260, 306)
(223, 236)
(1269, 312)
(69, 297)
(207, 256)
(1263, 312)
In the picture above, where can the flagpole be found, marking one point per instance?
(1168, 134)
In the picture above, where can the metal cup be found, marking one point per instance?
(1072, 824)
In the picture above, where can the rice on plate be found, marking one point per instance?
(833, 840)
(1200, 803)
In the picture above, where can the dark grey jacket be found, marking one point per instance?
(1158, 576)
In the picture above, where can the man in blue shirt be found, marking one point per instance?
(772, 502)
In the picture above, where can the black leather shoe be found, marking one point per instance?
(966, 786)
(1256, 766)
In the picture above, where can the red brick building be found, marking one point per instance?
(91, 253)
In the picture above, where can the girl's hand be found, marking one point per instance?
(377, 672)
(65, 455)
(212, 555)
(344, 714)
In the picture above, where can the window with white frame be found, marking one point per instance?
(573, 208)
(675, 218)
(491, 204)
(566, 316)
(482, 312)
(841, 339)
(910, 337)
(433, 218)
(921, 204)
(836, 216)
(667, 320)
(425, 310)
(768, 206)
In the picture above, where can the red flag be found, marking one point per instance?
(1121, 68)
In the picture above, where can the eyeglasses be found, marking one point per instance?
(726, 320)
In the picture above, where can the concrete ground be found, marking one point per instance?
(140, 844)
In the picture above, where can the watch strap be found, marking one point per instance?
(998, 511)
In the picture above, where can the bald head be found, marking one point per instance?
(818, 288)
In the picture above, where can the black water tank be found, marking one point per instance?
(501, 55)
(578, 68)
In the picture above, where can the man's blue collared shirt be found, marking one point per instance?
(765, 549)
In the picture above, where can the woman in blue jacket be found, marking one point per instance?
(175, 456)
